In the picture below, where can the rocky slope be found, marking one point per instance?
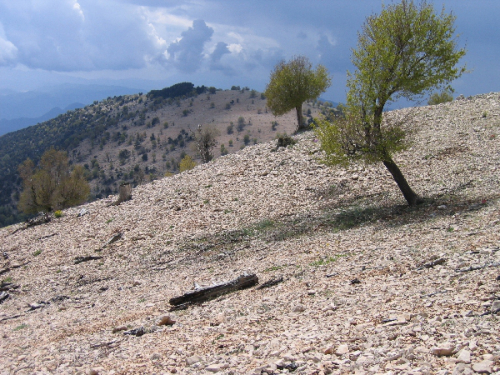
(138, 138)
(369, 284)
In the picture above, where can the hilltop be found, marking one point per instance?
(138, 138)
(368, 283)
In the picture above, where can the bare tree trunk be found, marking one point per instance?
(300, 119)
(125, 194)
(411, 197)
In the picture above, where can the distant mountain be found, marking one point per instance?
(138, 138)
(7, 126)
(37, 103)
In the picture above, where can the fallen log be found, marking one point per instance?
(85, 259)
(475, 268)
(211, 292)
(432, 263)
(270, 283)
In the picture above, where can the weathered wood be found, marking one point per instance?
(432, 263)
(125, 194)
(113, 239)
(5, 270)
(475, 268)
(39, 220)
(86, 259)
(270, 283)
(11, 317)
(211, 292)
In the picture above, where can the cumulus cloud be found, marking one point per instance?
(8, 51)
(68, 35)
(220, 50)
(186, 54)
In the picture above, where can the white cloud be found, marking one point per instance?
(235, 48)
(8, 51)
(186, 54)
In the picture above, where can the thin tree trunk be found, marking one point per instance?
(411, 197)
(300, 118)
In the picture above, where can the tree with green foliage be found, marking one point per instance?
(404, 52)
(294, 82)
(444, 96)
(205, 139)
(53, 185)
(186, 164)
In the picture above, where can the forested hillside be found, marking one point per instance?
(138, 138)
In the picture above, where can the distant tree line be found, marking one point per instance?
(179, 90)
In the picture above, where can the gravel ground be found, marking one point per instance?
(368, 284)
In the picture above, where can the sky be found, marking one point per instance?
(151, 44)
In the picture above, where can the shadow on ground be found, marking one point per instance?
(352, 214)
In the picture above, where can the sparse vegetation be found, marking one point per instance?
(53, 185)
(405, 51)
(186, 164)
(205, 139)
(444, 96)
(294, 82)
(114, 141)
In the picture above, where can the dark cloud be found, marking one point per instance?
(268, 58)
(220, 50)
(215, 59)
(187, 53)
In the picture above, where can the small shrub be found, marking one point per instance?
(241, 124)
(58, 213)
(284, 140)
(438, 98)
(186, 164)
(18, 328)
(223, 150)
(228, 106)
(37, 253)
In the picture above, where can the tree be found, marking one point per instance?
(293, 83)
(186, 164)
(442, 97)
(205, 139)
(404, 52)
(53, 185)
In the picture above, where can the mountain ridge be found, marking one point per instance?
(152, 134)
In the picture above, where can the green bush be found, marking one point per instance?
(438, 98)
(284, 140)
(58, 213)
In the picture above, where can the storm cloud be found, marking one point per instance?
(186, 54)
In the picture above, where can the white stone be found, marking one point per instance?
(483, 367)
(463, 356)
